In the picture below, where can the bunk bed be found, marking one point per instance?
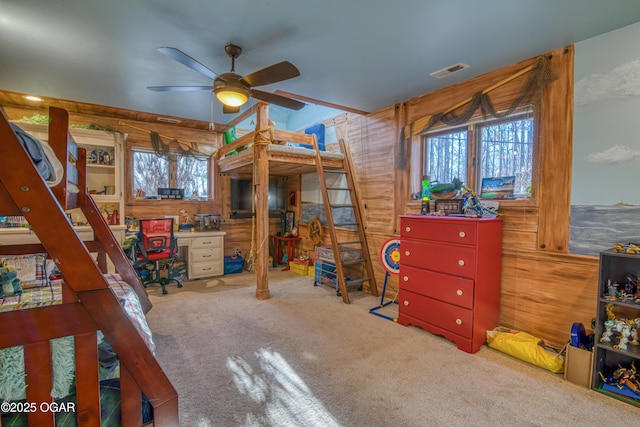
(82, 344)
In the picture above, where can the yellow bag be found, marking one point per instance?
(526, 347)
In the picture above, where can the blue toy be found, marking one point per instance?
(10, 281)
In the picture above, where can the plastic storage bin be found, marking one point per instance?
(324, 253)
(232, 266)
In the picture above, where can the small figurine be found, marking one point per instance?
(187, 218)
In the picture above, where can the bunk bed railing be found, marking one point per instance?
(273, 135)
(88, 303)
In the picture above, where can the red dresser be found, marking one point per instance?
(450, 272)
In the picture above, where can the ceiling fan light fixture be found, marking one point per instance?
(232, 97)
(230, 91)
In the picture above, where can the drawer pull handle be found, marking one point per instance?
(206, 256)
(462, 234)
(407, 229)
(206, 243)
(406, 302)
(461, 262)
(459, 292)
(458, 322)
(407, 253)
(405, 278)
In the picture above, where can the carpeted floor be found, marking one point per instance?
(303, 358)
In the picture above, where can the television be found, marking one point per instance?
(241, 194)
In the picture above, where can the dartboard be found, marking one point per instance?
(390, 256)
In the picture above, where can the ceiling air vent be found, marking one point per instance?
(168, 120)
(447, 71)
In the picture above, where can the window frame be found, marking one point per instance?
(474, 134)
(173, 168)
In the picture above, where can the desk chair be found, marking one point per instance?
(156, 249)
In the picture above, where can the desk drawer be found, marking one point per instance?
(452, 289)
(210, 254)
(205, 269)
(206, 242)
(446, 316)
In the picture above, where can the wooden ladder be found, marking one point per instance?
(346, 264)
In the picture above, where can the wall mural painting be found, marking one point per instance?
(605, 205)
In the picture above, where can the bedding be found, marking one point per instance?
(12, 374)
(42, 156)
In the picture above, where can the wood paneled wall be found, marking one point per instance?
(544, 290)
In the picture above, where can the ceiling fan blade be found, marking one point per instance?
(274, 73)
(230, 110)
(178, 88)
(184, 59)
(272, 98)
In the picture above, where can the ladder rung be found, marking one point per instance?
(335, 171)
(341, 206)
(338, 188)
(353, 261)
(353, 282)
(345, 223)
(351, 242)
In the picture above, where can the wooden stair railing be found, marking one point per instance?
(366, 271)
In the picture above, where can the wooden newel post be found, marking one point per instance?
(261, 182)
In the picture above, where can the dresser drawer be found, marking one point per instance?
(449, 259)
(446, 230)
(446, 316)
(451, 289)
(206, 242)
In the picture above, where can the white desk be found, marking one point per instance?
(203, 252)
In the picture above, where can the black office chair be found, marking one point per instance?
(156, 249)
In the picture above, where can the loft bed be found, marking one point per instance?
(75, 336)
(238, 158)
(261, 154)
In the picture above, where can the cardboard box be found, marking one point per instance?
(578, 366)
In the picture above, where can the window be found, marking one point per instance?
(152, 171)
(446, 156)
(507, 150)
(504, 147)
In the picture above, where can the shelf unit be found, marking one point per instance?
(609, 354)
(104, 170)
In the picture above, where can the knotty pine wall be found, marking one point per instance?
(544, 289)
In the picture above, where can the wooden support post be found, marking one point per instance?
(261, 184)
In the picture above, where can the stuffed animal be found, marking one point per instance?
(9, 281)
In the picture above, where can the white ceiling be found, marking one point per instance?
(362, 54)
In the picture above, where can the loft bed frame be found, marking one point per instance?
(88, 304)
(261, 154)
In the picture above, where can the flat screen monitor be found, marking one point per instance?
(241, 194)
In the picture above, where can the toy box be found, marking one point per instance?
(232, 266)
(298, 268)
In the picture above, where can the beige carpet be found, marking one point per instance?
(303, 358)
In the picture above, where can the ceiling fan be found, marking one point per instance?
(232, 89)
